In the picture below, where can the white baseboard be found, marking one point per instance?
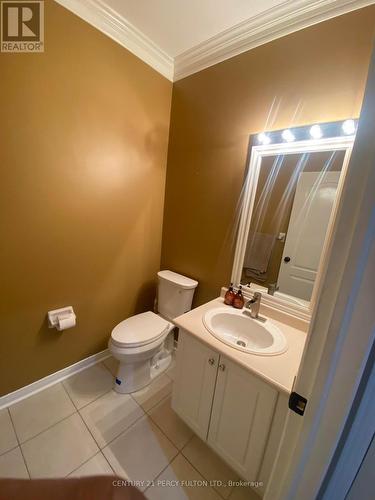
(54, 378)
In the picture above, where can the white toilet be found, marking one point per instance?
(140, 342)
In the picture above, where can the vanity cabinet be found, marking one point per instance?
(224, 404)
(241, 417)
(194, 385)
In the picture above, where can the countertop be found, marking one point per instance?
(278, 370)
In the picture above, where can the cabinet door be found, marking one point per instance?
(194, 384)
(241, 417)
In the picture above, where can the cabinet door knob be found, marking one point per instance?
(211, 361)
(222, 367)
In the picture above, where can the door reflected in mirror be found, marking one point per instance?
(288, 207)
(292, 208)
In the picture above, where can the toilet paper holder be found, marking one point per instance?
(59, 317)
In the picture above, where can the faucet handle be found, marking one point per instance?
(257, 296)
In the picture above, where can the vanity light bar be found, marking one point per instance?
(315, 131)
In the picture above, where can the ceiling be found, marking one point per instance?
(178, 25)
(181, 37)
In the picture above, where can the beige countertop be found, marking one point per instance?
(278, 370)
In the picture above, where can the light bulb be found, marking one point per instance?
(264, 138)
(348, 127)
(316, 132)
(288, 135)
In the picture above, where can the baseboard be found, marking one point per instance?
(54, 378)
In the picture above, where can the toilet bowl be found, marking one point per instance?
(140, 343)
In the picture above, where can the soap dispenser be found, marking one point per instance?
(238, 301)
(229, 296)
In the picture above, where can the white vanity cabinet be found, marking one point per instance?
(241, 417)
(194, 385)
(224, 404)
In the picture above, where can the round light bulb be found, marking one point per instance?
(348, 127)
(316, 132)
(288, 135)
(264, 138)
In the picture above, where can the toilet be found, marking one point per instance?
(143, 344)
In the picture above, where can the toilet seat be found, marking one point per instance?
(139, 330)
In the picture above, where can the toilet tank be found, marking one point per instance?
(175, 294)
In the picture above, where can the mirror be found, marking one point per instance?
(290, 199)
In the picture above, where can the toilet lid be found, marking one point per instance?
(139, 330)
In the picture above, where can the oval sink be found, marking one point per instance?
(235, 328)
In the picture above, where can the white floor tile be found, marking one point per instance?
(36, 413)
(149, 396)
(12, 465)
(60, 449)
(140, 453)
(88, 385)
(111, 364)
(56, 442)
(110, 415)
(209, 464)
(96, 466)
(180, 481)
(170, 423)
(8, 439)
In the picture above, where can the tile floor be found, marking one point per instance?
(81, 427)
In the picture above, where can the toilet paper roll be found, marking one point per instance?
(66, 322)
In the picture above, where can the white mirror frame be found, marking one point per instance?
(344, 143)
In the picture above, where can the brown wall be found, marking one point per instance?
(321, 71)
(83, 144)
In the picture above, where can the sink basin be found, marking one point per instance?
(237, 329)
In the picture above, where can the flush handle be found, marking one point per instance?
(211, 361)
(222, 367)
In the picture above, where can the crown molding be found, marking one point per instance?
(288, 17)
(121, 31)
(274, 23)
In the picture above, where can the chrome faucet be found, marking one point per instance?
(253, 305)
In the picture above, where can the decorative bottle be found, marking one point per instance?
(229, 296)
(238, 301)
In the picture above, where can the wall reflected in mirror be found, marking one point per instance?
(293, 204)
